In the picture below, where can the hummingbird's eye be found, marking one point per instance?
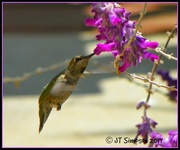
(78, 58)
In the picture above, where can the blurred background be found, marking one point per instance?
(38, 35)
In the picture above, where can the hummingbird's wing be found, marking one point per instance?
(44, 111)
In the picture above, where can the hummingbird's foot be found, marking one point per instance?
(58, 107)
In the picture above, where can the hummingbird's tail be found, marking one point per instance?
(43, 115)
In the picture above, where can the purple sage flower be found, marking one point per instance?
(116, 29)
(173, 138)
(170, 82)
(168, 142)
(156, 139)
(142, 103)
(145, 128)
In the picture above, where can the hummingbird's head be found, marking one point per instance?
(78, 64)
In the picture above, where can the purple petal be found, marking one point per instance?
(131, 24)
(90, 22)
(115, 20)
(151, 56)
(151, 44)
(164, 74)
(115, 53)
(140, 104)
(173, 132)
(156, 135)
(103, 48)
(124, 66)
(140, 39)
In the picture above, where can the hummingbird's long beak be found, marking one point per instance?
(88, 56)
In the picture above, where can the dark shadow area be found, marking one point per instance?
(24, 54)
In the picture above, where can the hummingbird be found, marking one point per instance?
(58, 90)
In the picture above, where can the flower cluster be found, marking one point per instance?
(144, 129)
(116, 29)
(170, 141)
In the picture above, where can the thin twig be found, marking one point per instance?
(38, 71)
(138, 25)
(170, 35)
(147, 80)
(168, 56)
